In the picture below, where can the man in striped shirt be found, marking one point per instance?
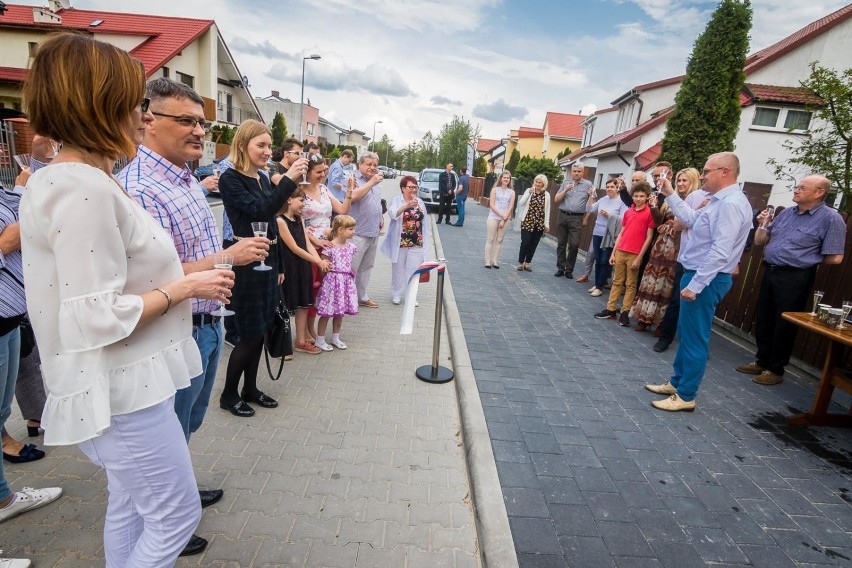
(159, 179)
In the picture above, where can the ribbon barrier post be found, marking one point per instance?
(433, 373)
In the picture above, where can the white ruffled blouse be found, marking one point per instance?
(89, 251)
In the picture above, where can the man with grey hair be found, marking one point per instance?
(159, 179)
(366, 209)
(571, 200)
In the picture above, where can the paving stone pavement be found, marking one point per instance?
(362, 465)
(592, 476)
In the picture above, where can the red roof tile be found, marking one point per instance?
(772, 93)
(562, 125)
(163, 36)
(792, 41)
(530, 132)
(13, 74)
(649, 156)
(486, 144)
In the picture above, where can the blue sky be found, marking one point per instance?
(499, 63)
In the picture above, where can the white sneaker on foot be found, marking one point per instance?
(14, 562)
(339, 344)
(395, 301)
(28, 499)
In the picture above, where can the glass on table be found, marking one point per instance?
(222, 261)
(259, 230)
(847, 307)
(818, 294)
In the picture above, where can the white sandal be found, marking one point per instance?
(339, 344)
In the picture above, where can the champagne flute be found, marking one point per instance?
(818, 294)
(216, 171)
(259, 230)
(847, 307)
(222, 261)
(23, 161)
(771, 210)
(307, 156)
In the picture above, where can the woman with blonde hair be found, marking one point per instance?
(249, 197)
(107, 297)
(501, 204)
(533, 220)
(658, 279)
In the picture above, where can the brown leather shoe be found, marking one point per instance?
(368, 304)
(768, 378)
(751, 369)
(674, 404)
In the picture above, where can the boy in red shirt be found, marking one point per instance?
(637, 231)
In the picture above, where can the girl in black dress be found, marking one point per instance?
(249, 196)
(299, 254)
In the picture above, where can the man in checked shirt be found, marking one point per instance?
(159, 179)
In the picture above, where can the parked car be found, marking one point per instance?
(428, 191)
(389, 173)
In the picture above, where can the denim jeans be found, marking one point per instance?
(460, 210)
(10, 350)
(602, 267)
(191, 403)
(693, 328)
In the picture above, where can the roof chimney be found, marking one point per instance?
(276, 94)
(57, 5)
(45, 16)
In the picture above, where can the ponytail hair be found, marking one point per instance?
(340, 222)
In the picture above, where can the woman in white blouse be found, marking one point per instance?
(501, 203)
(106, 295)
(408, 236)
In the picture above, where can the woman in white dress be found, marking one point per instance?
(107, 300)
(408, 236)
(501, 203)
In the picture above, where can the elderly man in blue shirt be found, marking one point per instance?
(711, 256)
(798, 240)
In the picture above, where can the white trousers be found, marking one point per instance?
(408, 261)
(362, 263)
(494, 241)
(153, 505)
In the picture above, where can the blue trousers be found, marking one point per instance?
(191, 403)
(460, 210)
(602, 267)
(694, 327)
(10, 356)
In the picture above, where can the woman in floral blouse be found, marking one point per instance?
(533, 220)
(408, 236)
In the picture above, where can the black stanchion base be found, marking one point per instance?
(436, 375)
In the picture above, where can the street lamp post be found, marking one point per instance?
(387, 152)
(313, 56)
(374, 133)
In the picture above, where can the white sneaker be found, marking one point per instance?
(592, 289)
(14, 562)
(416, 304)
(28, 499)
(395, 301)
(596, 292)
(339, 344)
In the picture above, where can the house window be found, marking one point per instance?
(166, 72)
(33, 48)
(310, 129)
(187, 80)
(767, 118)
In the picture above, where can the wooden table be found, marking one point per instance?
(832, 376)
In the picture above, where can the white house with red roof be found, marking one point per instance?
(185, 49)
(773, 102)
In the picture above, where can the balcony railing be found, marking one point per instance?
(234, 114)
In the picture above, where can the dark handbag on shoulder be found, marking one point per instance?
(278, 342)
(28, 341)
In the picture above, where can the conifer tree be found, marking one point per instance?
(279, 130)
(707, 113)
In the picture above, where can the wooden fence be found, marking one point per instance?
(738, 308)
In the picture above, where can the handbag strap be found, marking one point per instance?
(273, 376)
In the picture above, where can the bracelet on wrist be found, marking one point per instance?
(168, 299)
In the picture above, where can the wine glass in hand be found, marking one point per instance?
(222, 261)
(259, 230)
(770, 213)
(307, 156)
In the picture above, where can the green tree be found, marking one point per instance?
(453, 140)
(279, 130)
(707, 106)
(514, 160)
(826, 148)
(530, 167)
(223, 134)
(480, 167)
(334, 154)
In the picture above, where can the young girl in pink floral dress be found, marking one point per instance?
(337, 296)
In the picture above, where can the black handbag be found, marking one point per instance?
(28, 341)
(278, 342)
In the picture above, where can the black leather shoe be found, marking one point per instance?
(196, 545)
(661, 345)
(262, 399)
(208, 497)
(240, 409)
(559, 274)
